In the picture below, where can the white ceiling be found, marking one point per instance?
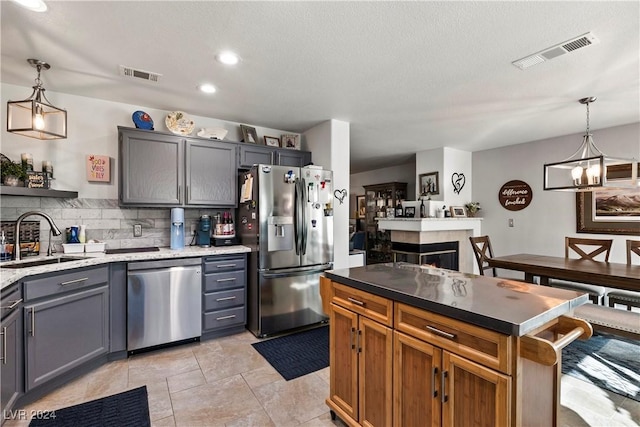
(408, 76)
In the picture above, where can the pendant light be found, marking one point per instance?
(35, 117)
(589, 168)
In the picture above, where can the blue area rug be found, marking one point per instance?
(607, 361)
(297, 354)
(130, 408)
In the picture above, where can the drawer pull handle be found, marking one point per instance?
(225, 298)
(355, 301)
(71, 282)
(441, 333)
(433, 382)
(230, 279)
(13, 305)
(226, 317)
(4, 345)
(226, 266)
(444, 396)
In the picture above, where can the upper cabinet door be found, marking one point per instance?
(293, 158)
(255, 155)
(151, 170)
(211, 173)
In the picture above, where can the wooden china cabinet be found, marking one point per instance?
(381, 199)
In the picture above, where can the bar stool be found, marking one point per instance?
(621, 296)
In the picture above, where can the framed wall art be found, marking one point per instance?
(429, 183)
(291, 141)
(249, 134)
(272, 141)
(361, 205)
(98, 168)
(608, 212)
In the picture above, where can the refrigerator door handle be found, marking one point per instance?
(296, 216)
(305, 207)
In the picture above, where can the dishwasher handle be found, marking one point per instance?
(166, 263)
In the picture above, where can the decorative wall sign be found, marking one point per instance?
(458, 180)
(515, 195)
(98, 168)
(340, 195)
(36, 180)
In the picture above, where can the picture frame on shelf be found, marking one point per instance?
(291, 141)
(271, 141)
(410, 212)
(429, 183)
(457, 211)
(249, 134)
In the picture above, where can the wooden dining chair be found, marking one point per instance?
(482, 250)
(597, 250)
(621, 296)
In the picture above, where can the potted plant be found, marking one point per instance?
(472, 208)
(12, 173)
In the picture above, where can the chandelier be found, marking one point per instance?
(589, 168)
(35, 117)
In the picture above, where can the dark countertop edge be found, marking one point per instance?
(491, 323)
(9, 276)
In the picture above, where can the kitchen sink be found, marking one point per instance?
(38, 262)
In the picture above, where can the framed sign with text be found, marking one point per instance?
(515, 195)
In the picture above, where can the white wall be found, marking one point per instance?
(329, 142)
(92, 129)
(541, 227)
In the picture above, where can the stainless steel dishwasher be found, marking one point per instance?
(164, 302)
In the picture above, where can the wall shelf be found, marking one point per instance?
(7, 190)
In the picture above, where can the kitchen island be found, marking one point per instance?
(414, 345)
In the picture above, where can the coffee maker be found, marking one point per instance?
(203, 232)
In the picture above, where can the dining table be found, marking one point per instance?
(610, 274)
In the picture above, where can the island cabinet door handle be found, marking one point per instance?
(359, 350)
(433, 382)
(4, 345)
(444, 396)
(352, 338)
(71, 282)
(441, 333)
(355, 301)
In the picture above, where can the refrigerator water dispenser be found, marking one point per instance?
(281, 235)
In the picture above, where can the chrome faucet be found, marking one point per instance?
(54, 229)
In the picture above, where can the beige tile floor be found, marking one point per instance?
(225, 382)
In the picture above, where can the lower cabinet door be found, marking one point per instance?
(375, 372)
(417, 400)
(474, 395)
(65, 332)
(11, 363)
(343, 390)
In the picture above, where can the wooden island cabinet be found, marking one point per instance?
(405, 350)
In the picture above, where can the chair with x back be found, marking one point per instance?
(621, 296)
(587, 249)
(482, 250)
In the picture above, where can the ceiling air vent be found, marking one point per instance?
(557, 50)
(139, 74)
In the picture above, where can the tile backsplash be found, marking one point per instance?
(105, 220)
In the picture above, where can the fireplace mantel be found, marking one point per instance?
(437, 230)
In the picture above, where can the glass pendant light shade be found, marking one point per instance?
(589, 169)
(35, 117)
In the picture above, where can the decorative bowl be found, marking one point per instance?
(213, 133)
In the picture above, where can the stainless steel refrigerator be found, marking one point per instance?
(286, 217)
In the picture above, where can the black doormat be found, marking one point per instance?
(130, 408)
(607, 361)
(297, 354)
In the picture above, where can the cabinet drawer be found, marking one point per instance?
(220, 281)
(223, 318)
(489, 348)
(224, 299)
(76, 279)
(213, 265)
(10, 300)
(361, 302)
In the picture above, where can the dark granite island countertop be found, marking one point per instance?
(503, 305)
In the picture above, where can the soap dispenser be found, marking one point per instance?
(4, 254)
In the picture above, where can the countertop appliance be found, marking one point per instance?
(164, 302)
(177, 228)
(203, 233)
(286, 217)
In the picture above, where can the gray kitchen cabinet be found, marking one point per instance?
(224, 290)
(169, 170)
(66, 318)
(11, 359)
(211, 173)
(259, 154)
(118, 309)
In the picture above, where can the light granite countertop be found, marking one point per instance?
(9, 276)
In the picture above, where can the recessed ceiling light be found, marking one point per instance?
(34, 5)
(207, 88)
(228, 58)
